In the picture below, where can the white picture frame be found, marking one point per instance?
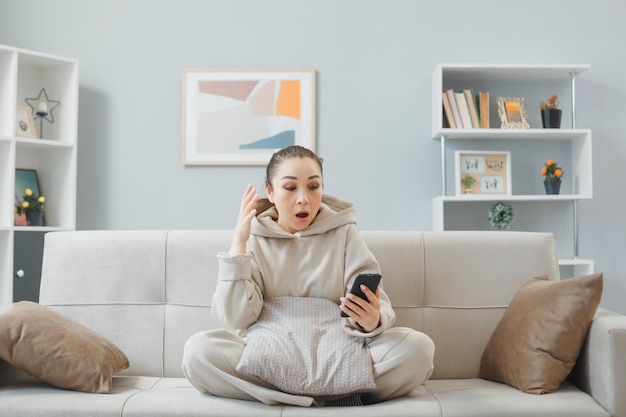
(512, 113)
(491, 171)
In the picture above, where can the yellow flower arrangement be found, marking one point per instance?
(551, 171)
(30, 203)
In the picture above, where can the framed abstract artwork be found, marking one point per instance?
(243, 116)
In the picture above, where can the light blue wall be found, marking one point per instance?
(374, 60)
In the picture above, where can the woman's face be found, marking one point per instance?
(296, 192)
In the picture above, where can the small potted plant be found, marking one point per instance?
(552, 175)
(32, 206)
(550, 113)
(468, 181)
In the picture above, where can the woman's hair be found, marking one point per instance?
(289, 152)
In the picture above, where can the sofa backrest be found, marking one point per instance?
(148, 291)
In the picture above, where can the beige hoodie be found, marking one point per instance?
(321, 261)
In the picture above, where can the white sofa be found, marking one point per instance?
(148, 291)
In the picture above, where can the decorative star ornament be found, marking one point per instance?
(49, 105)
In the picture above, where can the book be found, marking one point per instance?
(461, 103)
(473, 108)
(447, 109)
(483, 108)
(455, 108)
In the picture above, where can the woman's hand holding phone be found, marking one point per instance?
(362, 303)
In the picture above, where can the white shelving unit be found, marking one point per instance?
(23, 74)
(573, 145)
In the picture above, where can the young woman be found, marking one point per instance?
(301, 243)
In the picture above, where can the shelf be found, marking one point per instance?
(43, 144)
(528, 148)
(509, 80)
(22, 75)
(574, 146)
(575, 262)
(526, 71)
(469, 204)
(477, 198)
(41, 228)
(59, 77)
(511, 134)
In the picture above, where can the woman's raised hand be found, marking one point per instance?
(244, 221)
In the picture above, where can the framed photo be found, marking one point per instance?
(25, 178)
(25, 127)
(242, 116)
(483, 172)
(512, 113)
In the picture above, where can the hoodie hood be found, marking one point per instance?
(333, 213)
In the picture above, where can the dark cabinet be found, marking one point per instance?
(27, 258)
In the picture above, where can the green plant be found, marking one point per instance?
(551, 171)
(30, 203)
(468, 181)
(551, 104)
(501, 216)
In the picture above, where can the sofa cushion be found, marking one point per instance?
(299, 345)
(57, 349)
(536, 343)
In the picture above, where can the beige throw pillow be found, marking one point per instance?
(536, 343)
(299, 345)
(57, 349)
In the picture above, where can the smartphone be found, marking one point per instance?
(371, 281)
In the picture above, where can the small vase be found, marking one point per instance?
(33, 218)
(552, 187)
(551, 118)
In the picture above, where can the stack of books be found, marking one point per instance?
(466, 110)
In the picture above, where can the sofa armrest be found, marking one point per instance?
(601, 367)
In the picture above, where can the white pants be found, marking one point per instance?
(402, 360)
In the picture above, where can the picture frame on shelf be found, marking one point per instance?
(24, 124)
(25, 178)
(489, 171)
(243, 116)
(512, 113)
